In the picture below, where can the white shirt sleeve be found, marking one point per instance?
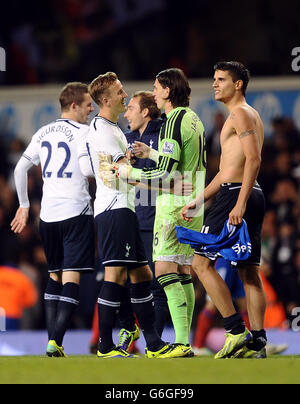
(21, 180)
(85, 166)
(29, 158)
(32, 151)
(84, 157)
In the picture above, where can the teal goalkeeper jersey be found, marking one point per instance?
(182, 151)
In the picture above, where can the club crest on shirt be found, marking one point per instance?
(168, 148)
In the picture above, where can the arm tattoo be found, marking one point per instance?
(247, 133)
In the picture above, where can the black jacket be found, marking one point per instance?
(145, 200)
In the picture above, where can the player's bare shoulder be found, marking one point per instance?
(247, 122)
(228, 134)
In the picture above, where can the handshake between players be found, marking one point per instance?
(111, 173)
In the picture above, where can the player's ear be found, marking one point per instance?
(167, 92)
(73, 106)
(239, 84)
(145, 112)
(105, 101)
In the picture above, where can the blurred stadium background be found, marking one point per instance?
(49, 43)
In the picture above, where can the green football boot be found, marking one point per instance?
(163, 353)
(182, 351)
(53, 350)
(170, 351)
(127, 337)
(246, 353)
(233, 344)
(136, 333)
(117, 352)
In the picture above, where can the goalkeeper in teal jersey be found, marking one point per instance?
(181, 149)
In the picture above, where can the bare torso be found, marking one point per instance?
(232, 157)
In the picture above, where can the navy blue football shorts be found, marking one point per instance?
(69, 244)
(254, 216)
(119, 239)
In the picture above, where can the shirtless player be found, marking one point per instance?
(238, 196)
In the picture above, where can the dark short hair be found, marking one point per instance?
(72, 92)
(146, 100)
(100, 85)
(237, 71)
(178, 84)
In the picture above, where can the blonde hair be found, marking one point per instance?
(100, 85)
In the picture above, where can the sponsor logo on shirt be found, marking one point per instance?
(242, 248)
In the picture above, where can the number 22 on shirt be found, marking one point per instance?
(61, 173)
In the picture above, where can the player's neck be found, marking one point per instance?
(234, 102)
(109, 115)
(143, 128)
(68, 115)
(168, 107)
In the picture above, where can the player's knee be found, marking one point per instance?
(56, 276)
(250, 275)
(71, 276)
(184, 269)
(201, 265)
(142, 274)
(116, 275)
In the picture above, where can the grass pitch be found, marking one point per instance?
(91, 370)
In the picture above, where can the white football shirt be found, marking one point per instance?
(106, 137)
(58, 146)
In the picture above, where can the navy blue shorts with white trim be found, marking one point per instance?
(69, 244)
(119, 239)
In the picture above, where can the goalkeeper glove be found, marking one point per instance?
(127, 172)
(107, 174)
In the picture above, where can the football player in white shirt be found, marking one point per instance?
(66, 218)
(120, 245)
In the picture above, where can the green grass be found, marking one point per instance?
(89, 369)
